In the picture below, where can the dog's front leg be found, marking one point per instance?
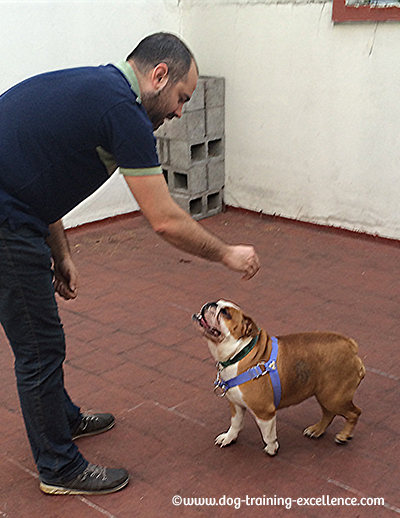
(268, 432)
(237, 416)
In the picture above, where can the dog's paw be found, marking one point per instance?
(272, 449)
(342, 439)
(314, 432)
(224, 439)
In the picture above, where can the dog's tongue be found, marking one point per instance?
(201, 320)
(204, 323)
(210, 329)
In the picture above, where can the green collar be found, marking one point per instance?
(130, 75)
(241, 354)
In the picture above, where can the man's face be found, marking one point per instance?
(168, 102)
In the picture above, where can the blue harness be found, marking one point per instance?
(261, 369)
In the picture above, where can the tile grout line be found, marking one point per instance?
(24, 468)
(382, 373)
(359, 493)
(179, 414)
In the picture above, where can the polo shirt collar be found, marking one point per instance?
(130, 75)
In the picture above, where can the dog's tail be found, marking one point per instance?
(361, 368)
(361, 371)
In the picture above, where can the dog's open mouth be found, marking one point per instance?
(200, 319)
(207, 313)
(210, 330)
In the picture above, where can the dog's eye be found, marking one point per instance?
(225, 313)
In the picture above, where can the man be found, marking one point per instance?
(61, 135)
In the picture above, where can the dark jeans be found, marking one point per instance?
(29, 315)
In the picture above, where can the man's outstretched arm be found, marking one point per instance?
(180, 230)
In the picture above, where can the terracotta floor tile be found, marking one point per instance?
(132, 350)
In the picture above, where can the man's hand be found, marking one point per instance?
(242, 258)
(65, 272)
(66, 278)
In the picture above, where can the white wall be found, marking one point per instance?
(41, 35)
(312, 109)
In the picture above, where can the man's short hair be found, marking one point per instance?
(163, 47)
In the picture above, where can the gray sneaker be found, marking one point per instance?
(94, 480)
(93, 424)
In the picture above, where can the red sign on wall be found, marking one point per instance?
(344, 11)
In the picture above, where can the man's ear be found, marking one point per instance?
(159, 77)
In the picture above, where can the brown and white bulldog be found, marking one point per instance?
(324, 365)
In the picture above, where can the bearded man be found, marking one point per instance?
(62, 134)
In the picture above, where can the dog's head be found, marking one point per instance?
(225, 327)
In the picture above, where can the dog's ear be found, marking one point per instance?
(250, 328)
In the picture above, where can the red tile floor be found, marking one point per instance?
(132, 350)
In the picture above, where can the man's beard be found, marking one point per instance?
(155, 105)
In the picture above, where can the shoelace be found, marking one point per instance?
(86, 419)
(94, 471)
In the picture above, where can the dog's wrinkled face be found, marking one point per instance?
(222, 319)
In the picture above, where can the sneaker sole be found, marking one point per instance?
(97, 432)
(59, 490)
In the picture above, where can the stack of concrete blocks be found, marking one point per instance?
(192, 150)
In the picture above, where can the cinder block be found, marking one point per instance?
(197, 100)
(184, 155)
(191, 181)
(202, 205)
(215, 123)
(215, 175)
(192, 204)
(191, 127)
(192, 150)
(214, 92)
(160, 150)
(216, 148)
(160, 132)
(166, 175)
(198, 152)
(163, 150)
(214, 202)
(180, 154)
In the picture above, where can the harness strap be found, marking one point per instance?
(274, 374)
(262, 368)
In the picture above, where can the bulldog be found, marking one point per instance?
(263, 373)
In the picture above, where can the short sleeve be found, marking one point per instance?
(127, 135)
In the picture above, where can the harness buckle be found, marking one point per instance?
(222, 389)
(262, 372)
(219, 384)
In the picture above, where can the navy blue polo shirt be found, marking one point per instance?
(63, 133)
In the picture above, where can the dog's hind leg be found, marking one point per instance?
(318, 429)
(268, 432)
(351, 413)
(237, 416)
(342, 404)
